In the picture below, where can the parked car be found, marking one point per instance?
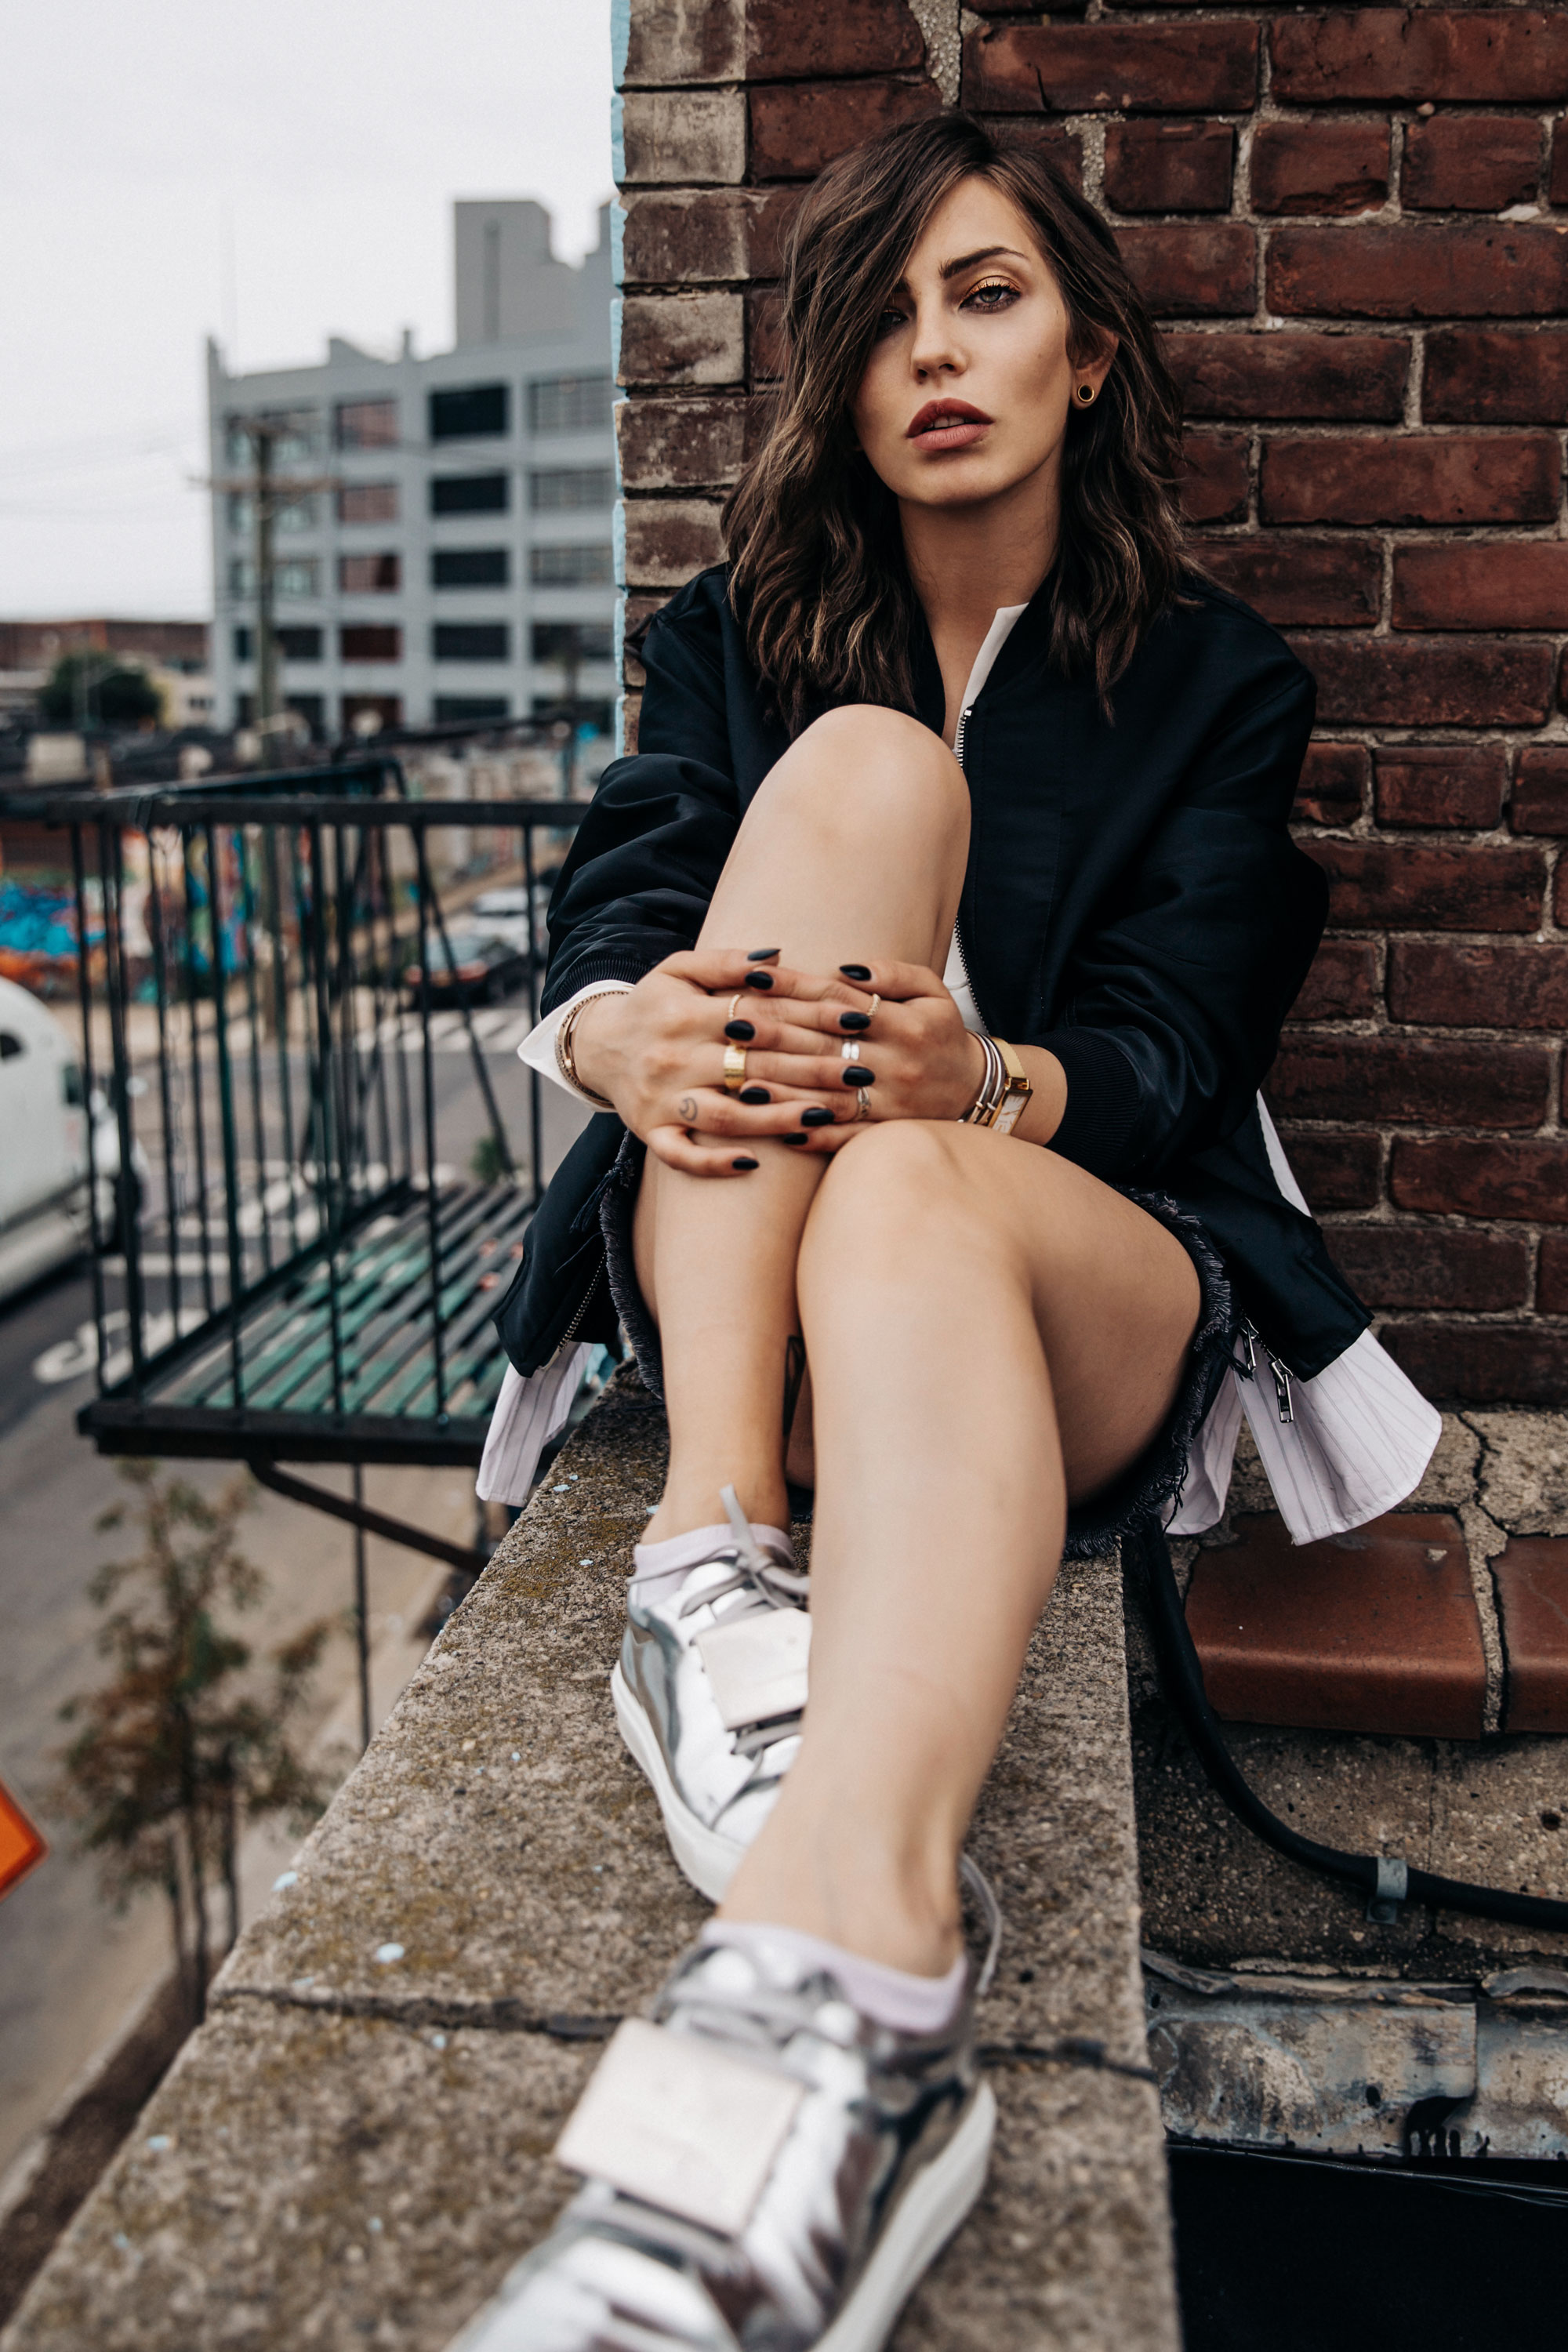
(487, 967)
(44, 1218)
(505, 912)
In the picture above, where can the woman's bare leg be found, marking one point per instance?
(991, 1332)
(854, 849)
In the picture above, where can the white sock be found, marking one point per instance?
(661, 1570)
(894, 1997)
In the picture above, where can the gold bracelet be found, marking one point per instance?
(563, 1058)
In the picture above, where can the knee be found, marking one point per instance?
(862, 767)
(890, 1181)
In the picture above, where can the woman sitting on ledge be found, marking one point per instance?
(925, 962)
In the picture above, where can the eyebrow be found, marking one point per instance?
(967, 260)
(951, 270)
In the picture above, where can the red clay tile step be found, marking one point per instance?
(1374, 1631)
(1531, 1577)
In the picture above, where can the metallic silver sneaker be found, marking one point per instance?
(707, 1696)
(767, 2167)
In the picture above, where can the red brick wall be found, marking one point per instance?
(1355, 225)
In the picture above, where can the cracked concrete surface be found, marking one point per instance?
(356, 2147)
(1490, 1810)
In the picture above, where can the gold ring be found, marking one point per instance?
(863, 1104)
(733, 1002)
(850, 1050)
(871, 1008)
(734, 1068)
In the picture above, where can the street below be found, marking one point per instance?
(71, 1968)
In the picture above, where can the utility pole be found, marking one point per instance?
(269, 495)
(263, 433)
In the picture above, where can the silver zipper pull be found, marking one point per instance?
(958, 732)
(1281, 1385)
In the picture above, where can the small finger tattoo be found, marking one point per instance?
(686, 1107)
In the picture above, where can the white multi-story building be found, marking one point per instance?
(448, 555)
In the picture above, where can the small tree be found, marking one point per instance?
(176, 1749)
(98, 686)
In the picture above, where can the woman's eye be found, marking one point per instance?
(887, 320)
(994, 295)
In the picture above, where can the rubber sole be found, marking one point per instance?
(707, 1859)
(934, 2207)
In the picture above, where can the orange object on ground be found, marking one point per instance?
(21, 1845)
(1374, 1631)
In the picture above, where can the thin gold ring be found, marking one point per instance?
(871, 1008)
(734, 1068)
(730, 1016)
(850, 1050)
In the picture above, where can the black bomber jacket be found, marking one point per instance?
(1133, 902)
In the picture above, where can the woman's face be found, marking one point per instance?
(966, 392)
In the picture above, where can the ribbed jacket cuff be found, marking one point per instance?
(1100, 1120)
(569, 980)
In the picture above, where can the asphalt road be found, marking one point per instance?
(71, 1967)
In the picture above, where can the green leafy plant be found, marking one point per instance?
(99, 688)
(488, 1163)
(185, 1741)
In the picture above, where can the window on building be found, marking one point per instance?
(298, 575)
(569, 641)
(471, 567)
(585, 565)
(451, 709)
(295, 435)
(365, 424)
(368, 502)
(569, 404)
(369, 641)
(564, 488)
(385, 709)
(298, 645)
(470, 494)
(487, 641)
(288, 515)
(470, 412)
(369, 575)
(581, 713)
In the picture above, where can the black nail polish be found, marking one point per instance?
(762, 955)
(855, 970)
(740, 1029)
(792, 1139)
(854, 1020)
(759, 980)
(755, 1095)
(745, 1163)
(817, 1115)
(859, 1078)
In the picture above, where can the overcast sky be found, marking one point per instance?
(268, 176)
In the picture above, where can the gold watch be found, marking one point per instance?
(1015, 1094)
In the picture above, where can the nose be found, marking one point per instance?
(933, 348)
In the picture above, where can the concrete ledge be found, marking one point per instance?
(356, 2146)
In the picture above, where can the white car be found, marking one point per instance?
(44, 1219)
(504, 914)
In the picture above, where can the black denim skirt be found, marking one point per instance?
(1145, 1489)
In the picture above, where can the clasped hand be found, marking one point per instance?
(658, 1053)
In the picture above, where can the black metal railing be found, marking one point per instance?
(313, 1155)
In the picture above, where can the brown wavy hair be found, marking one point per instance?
(818, 580)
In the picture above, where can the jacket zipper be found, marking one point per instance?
(574, 1326)
(1251, 1341)
(958, 735)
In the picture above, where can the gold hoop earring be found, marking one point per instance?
(1086, 394)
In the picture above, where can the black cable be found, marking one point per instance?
(1183, 1673)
